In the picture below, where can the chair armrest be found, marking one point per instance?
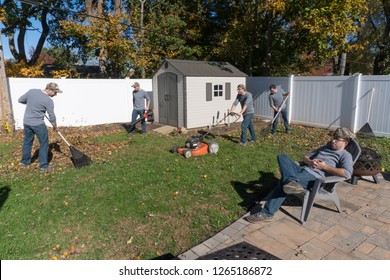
(331, 179)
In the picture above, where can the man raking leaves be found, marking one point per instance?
(38, 102)
(277, 101)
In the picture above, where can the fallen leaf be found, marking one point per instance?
(130, 240)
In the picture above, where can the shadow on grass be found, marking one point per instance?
(234, 139)
(52, 147)
(126, 126)
(254, 191)
(4, 193)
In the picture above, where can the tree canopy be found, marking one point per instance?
(260, 37)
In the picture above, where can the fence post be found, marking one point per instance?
(356, 100)
(291, 89)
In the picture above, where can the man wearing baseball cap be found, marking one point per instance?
(139, 97)
(330, 159)
(38, 102)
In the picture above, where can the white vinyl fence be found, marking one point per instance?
(326, 102)
(329, 102)
(83, 101)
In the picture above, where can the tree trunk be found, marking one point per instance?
(343, 62)
(382, 58)
(42, 39)
(6, 119)
(141, 48)
(268, 37)
(336, 65)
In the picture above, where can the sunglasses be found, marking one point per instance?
(339, 139)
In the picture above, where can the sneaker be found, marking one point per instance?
(143, 134)
(23, 165)
(131, 133)
(258, 217)
(293, 188)
(48, 168)
(288, 131)
(252, 141)
(240, 144)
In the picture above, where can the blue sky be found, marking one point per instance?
(32, 37)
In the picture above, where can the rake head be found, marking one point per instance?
(79, 159)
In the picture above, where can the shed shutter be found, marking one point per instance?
(228, 91)
(209, 91)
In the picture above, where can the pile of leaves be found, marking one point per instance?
(84, 138)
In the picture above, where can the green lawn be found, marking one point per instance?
(137, 200)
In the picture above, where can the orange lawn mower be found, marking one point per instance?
(197, 146)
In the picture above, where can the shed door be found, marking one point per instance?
(167, 99)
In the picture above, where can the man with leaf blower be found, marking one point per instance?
(139, 97)
(38, 102)
(276, 99)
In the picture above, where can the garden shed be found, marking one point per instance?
(189, 93)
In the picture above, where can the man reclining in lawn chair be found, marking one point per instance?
(328, 160)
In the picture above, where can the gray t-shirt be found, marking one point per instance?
(38, 103)
(334, 158)
(245, 100)
(276, 99)
(139, 99)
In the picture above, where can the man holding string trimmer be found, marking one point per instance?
(276, 99)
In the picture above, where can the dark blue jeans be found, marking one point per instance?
(290, 171)
(284, 114)
(134, 117)
(247, 124)
(41, 132)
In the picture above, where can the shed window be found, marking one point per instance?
(218, 90)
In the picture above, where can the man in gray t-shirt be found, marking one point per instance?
(276, 99)
(139, 109)
(38, 102)
(332, 159)
(247, 111)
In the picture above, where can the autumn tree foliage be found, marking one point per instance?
(260, 37)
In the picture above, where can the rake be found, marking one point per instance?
(78, 158)
(268, 128)
(366, 129)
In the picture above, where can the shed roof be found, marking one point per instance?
(205, 68)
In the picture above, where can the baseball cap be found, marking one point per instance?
(136, 84)
(344, 133)
(53, 87)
